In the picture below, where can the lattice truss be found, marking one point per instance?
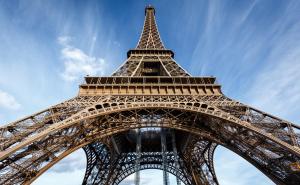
(32, 145)
(195, 121)
(150, 49)
(133, 66)
(150, 38)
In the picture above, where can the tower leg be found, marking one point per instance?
(163, 151)
(175, 155)
(138, 153)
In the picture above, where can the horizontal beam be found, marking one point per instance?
(150, 52)
(149, 89)
(151, 80)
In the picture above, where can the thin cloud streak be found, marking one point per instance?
(255, 56)
(242, 45)
(277, 88)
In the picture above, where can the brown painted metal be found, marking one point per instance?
(149, 91)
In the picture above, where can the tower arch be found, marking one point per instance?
(198, 121)
(149, 90)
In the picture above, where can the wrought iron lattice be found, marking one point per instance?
(151, 93)
(164, 158)
(137, 161)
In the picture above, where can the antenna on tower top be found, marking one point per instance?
(149, 7)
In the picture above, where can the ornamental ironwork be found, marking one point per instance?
(150, 114)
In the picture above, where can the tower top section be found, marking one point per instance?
(149, 8)
(150, 58)
(150, 39)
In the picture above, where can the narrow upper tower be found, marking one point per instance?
(150, 58)
(150, 38)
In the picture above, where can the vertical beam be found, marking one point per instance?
(292, 135)
(138, 157)
(175, 155)
(196, 178)
(163, 151)
(115, 145)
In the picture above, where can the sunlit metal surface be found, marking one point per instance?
(120, 121)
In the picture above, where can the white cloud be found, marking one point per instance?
(8, 101)
(232, 169)
(276, 89)
(77, 63)
(69, 170)
(73, 162)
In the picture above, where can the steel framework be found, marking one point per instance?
(121, 120)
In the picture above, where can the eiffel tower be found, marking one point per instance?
(150, 114)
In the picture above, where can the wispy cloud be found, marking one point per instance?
(77, 63)
(232, 169)
(259, 64)
(8, 101)
(277, 88)
(75, 161)
(246, 13)
(69, 170)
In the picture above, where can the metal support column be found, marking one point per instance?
(175, 155)
(138, 157)
(164, 158)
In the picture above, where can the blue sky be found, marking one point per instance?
(252, 47)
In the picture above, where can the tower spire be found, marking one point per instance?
(150, 38)
(150, 58)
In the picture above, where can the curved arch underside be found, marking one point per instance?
(199, 163)
(269, 143)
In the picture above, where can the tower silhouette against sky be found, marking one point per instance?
(150, 114)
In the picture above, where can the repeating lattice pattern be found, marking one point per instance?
(26, 159)
(104, 126)
(150, 36)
